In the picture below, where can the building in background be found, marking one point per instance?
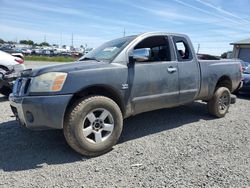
(241, 50)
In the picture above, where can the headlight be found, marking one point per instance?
(48, 82)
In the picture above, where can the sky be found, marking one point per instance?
(212, 24)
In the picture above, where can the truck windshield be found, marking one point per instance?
(108, 50)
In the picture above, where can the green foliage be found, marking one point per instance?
(52, 59)
(2, 41)
(28, 42)
(44, 44)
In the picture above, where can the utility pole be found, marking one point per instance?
(124, 32)
(61, 39)
(72, 40)
(198, 49)
(45, 38)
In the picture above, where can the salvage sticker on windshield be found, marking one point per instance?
(109, 49)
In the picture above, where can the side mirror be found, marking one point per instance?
(142, 54)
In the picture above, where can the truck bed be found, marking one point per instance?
(212, 70)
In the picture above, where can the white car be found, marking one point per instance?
(10, 67)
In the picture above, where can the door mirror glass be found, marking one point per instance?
(142, 54)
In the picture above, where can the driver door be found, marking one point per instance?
(155, 82)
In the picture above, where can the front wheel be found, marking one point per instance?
(93, 125)
(218, 106)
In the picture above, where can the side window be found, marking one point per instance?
(182, 49)
(159, 48)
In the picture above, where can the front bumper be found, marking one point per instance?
(40, 112)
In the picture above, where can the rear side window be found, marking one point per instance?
(182, 49)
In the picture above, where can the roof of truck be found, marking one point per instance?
(161, 33)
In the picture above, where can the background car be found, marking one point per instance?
(244, 65)
(10, 67)
(246, 80)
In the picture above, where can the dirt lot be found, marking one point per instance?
(179, 147)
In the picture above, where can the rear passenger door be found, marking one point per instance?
(188, 69)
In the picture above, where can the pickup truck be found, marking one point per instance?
(90, 98)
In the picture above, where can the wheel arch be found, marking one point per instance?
(103, 90)
(224, 81)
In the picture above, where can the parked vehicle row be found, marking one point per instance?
(46, 51)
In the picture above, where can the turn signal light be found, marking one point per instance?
(58, 83)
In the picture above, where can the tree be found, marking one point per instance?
(224, 55)
(10, 42)
(2, 41)
(44, 44)
(28, 42)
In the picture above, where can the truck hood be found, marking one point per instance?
(65, 67)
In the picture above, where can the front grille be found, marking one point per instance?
(17, 86)
(26, 86)
(21, 86)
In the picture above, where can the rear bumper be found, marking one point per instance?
(19, 67)
(7, 78)
(40, 112)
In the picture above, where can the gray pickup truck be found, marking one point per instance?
(90, 98)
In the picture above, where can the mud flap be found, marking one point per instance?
(233, 99)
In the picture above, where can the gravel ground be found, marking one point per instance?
(179, 147)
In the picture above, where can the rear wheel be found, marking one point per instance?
(93, 125)
(219, 104)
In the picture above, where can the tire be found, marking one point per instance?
(218, 106)
(93, 125)
(5, 91)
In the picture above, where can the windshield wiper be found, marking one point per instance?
(88, 58)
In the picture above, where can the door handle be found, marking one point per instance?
(172, 69)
